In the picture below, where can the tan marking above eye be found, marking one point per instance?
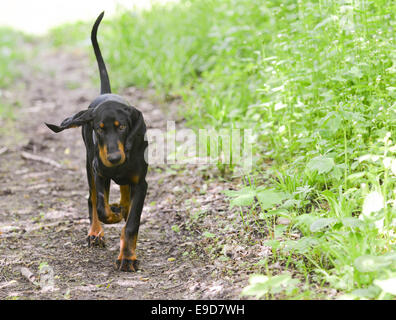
(101, 125)
(116, 123)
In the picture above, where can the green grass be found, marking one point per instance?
(75, 34)
(315, 80)
(12, 52)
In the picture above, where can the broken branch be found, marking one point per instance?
(29, 156)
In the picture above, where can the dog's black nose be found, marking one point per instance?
(114, 157)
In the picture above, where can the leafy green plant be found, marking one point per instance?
(260, 285)
(315, 81)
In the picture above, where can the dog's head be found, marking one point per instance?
(116, 127)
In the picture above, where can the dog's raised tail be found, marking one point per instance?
(104, 77)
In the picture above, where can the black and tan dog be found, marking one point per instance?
(113, 133)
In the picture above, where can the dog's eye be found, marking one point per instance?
(122, 127)
(99, 130)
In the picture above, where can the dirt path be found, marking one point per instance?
(44, 215)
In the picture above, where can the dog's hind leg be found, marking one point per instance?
(105, 213)
(95, 234)
(125, 202)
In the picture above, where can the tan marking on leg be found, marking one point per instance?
(125, 201)
(111, 217)
(127, 248)
(134, 179)
(122, 244)
(95, 228)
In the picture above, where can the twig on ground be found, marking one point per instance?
(3, 150)
(29, 156)
(28, 274)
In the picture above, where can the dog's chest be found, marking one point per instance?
(122, 175)
(125, 178)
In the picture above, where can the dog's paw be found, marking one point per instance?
(116, 208)
(119, 209)
(127, 265)
(96, 241)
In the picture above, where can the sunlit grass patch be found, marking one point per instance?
(12, 52)
(70, 34)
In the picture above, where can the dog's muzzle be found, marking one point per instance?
(114, 157)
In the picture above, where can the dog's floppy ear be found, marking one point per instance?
(75, 120)
(137, 129)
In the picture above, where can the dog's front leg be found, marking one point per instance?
(127, 260)
(105, 214)
(95, 234)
